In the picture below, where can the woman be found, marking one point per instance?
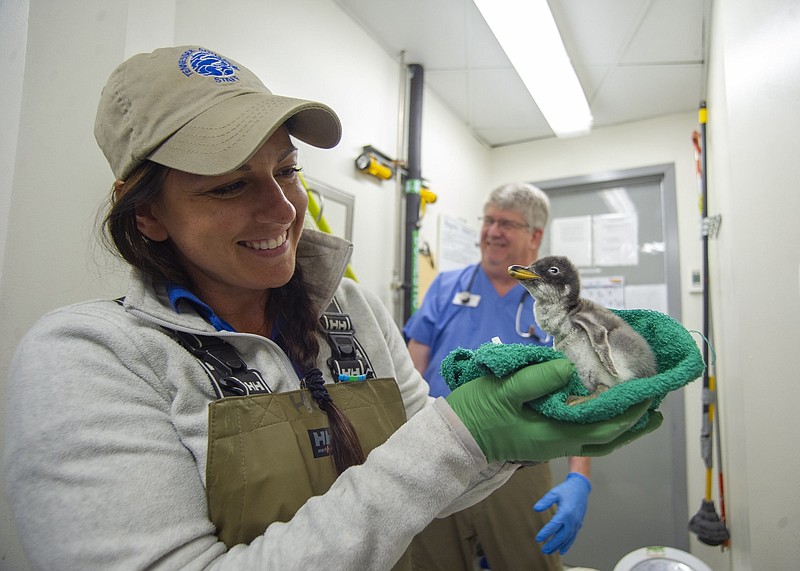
(128, 446)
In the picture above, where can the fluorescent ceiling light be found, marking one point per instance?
(528, 34)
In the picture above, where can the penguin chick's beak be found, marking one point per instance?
(522, 273)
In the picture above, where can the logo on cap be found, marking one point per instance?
(209, 64)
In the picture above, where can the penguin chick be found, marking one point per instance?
(606, 350)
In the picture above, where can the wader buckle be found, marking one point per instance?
(347, 362)
(229, 374)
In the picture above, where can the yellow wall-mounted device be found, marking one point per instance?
(369, 164)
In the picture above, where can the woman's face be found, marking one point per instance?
(237, 233)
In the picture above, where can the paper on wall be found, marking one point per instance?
(571, 236)
(616, 239)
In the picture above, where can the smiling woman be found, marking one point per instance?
(207, 418)
(236, 234)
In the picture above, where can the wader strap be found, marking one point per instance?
(230, 375)
(232, 378)
(348, 361)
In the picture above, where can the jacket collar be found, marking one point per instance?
(322, 257)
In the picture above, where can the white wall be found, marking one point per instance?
(54, 178)
(754, 124)
(13, 33)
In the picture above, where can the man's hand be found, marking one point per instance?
(572, 497)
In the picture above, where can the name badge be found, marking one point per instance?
(466, 299)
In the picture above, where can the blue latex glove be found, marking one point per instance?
(572, 497)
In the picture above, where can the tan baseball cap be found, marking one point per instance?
(194, 110)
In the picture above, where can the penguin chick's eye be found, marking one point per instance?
(553, 270)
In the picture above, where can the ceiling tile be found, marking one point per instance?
(636, 93)
(636, 59)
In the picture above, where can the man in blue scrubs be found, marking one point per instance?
(467, 308)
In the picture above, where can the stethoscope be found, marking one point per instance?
(465, 296)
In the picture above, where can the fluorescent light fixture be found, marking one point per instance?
(528, 34)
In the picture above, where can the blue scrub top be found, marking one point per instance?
(443, 326)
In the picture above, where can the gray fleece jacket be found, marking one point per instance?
(107, 437)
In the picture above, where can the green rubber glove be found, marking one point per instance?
(494, 412)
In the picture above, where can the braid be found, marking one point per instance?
(300, 329)
(291, 305)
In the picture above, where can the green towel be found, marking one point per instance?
(679, 362)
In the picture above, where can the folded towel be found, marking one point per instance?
(679, 363)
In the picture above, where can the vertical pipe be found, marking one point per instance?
(703, 119)
(709, 379)
(412, 188)
(399, 190)
(707, 427)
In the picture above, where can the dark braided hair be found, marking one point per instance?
(300, 329)
(289, 305)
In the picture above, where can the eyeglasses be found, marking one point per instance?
(503, 224)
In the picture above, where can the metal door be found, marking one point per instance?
(639, 493)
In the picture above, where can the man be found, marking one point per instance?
(466, 308)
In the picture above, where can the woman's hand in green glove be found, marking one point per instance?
(506, 429)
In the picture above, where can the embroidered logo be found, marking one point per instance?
(209, 64)
(320, 442)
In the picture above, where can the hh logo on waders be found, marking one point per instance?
(320, 442)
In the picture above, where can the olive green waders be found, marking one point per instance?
(269, 453)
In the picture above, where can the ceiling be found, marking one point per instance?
(636, 59)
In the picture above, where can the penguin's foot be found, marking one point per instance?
(572, 400)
